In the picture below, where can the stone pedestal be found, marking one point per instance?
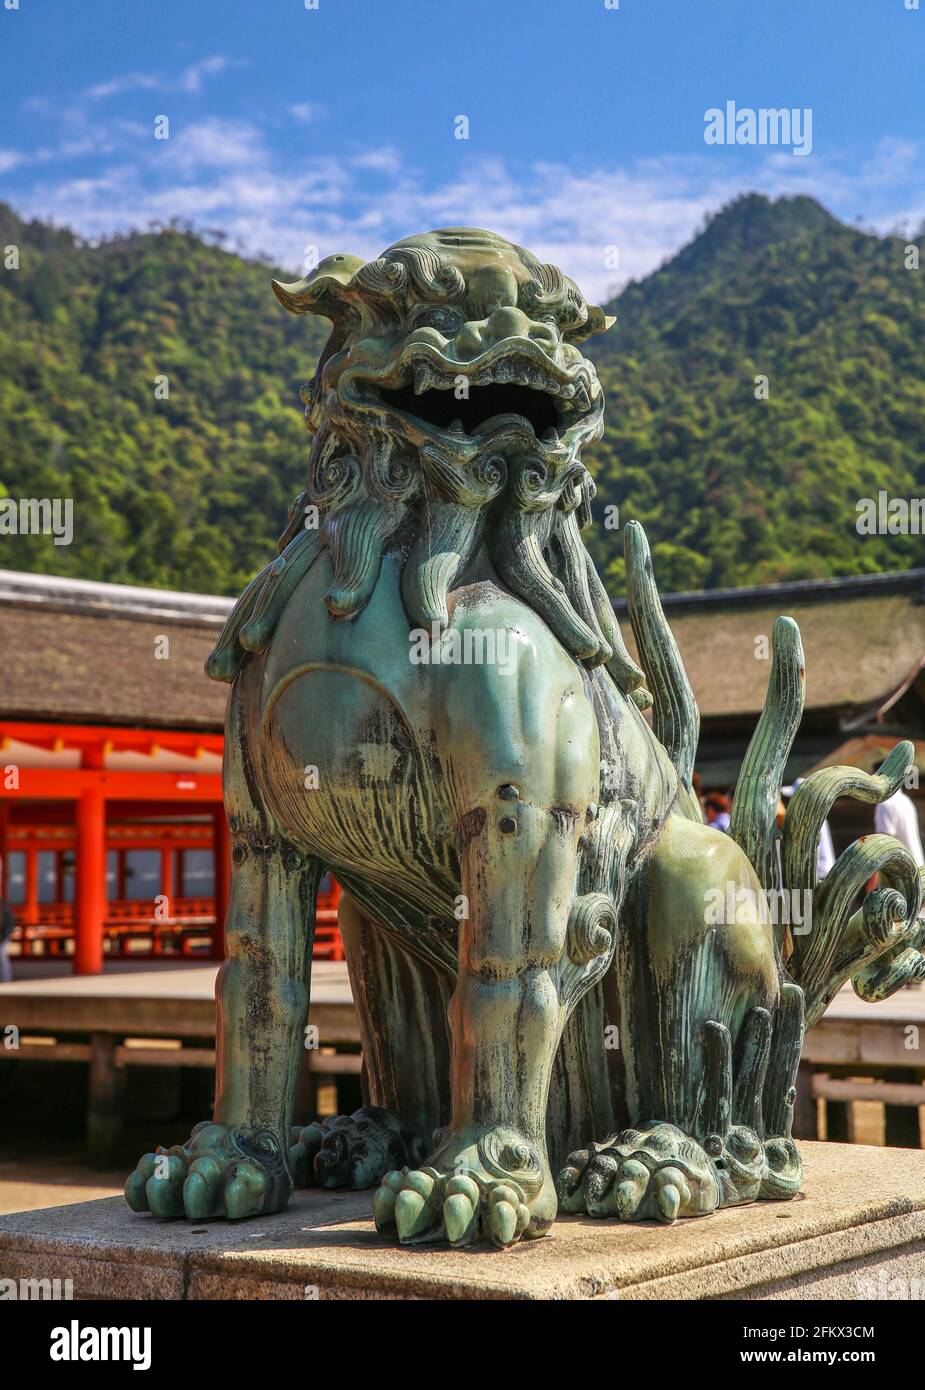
(857, 1233)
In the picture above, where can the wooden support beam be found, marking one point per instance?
(69, 783)
(832, 1088)
(52, 1051)
(805, 1110)
(165, 1056)
(116, 739)
(900, 1124)
(167, 884)
(30, 909)
(105, 1102)
(90, 896)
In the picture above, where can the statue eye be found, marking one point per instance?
(446, 321)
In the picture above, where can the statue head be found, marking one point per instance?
(449, 408)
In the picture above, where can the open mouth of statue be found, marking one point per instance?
(510, 389)
(482, 404)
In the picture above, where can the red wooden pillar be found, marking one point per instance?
(30, 914)
(167, 888)
(90, 906)
(221, 859)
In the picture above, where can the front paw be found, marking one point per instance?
(427, 1205)
(487, 1185)
(219, 1171)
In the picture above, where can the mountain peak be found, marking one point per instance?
(751, 226)
(754, 220)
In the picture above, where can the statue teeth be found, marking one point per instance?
(457, 427)
(423, 378)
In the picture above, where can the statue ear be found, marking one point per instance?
(596, 322)
(326, 291)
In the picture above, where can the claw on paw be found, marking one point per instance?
(425, 1205)
(218, 1172)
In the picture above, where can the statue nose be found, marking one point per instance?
(477, 336)
(508, 322)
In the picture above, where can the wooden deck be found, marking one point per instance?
(149, 1014)
(862, 1071)
(147, 1000)
(890, 1034)
(136, 1015)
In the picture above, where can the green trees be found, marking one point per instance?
(738, 489)
(154, 379)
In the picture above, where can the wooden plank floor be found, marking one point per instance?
(154, 980)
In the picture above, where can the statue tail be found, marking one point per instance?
(757, 794)
(878, 946)
(823, 941)
(675, 716)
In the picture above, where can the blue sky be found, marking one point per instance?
(335, 127)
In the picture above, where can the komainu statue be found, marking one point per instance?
(572, 993)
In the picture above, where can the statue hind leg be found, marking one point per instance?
(237, 1164)
(401, 1003)
(710, 1042)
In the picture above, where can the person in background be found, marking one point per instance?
(898, 817)
(825, 855)
(718, 810)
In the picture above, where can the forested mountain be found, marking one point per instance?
(190, 491)
(737, 489)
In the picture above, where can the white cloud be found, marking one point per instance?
(305, 112)
(386, 160)
(129, 82)
(10, 159)
(189, 80)
(214, 144)
(225, 170)
(192, 77)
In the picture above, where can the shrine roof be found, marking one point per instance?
(863, 640)
(82, 651)
(78, 650)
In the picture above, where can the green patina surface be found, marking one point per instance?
(432, 698)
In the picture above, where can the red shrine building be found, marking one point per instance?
(112, 835)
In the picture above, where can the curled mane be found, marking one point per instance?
(365, 497)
